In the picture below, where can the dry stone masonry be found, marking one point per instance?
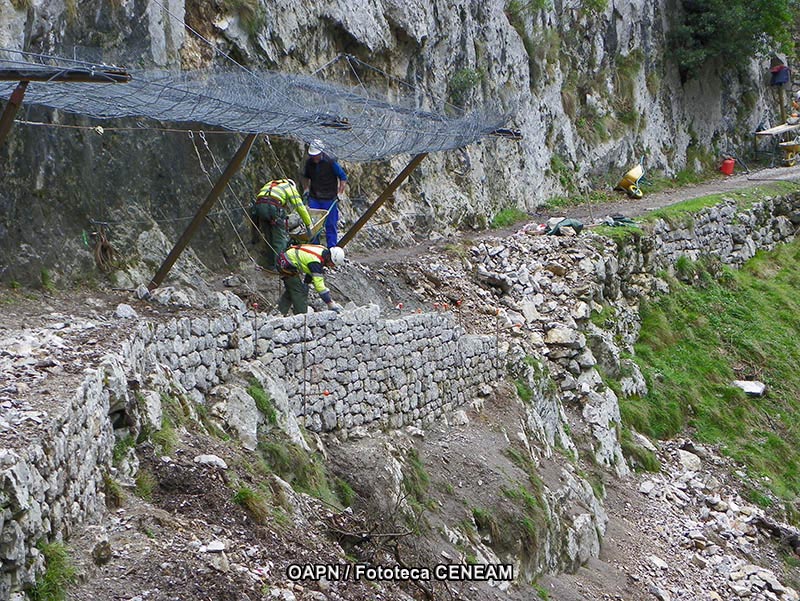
(338, 372)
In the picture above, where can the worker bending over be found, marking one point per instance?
(302, 265)
(269, 215)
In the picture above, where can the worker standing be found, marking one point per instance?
(269, 215)
(323, 180)
(302, 265)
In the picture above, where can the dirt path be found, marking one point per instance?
(594, 213)
(635, 208)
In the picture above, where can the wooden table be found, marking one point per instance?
(778, 130)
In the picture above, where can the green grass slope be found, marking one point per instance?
(718, 325)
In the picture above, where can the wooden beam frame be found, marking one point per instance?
(203, 211)
(51, 74)
(373, 208)
(14, 102)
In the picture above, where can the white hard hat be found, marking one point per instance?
(337, 255)
(315, 148)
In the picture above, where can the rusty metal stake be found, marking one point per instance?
(401, 177)
(204, 209)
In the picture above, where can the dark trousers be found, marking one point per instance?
(272, 222)
(331, 221)
(295, 296)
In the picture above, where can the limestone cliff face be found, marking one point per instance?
(591, 85)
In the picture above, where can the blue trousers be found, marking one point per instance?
(331, 222)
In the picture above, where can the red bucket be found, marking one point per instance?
(727, 166)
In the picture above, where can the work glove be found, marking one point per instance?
(309, 233)
(335, 307)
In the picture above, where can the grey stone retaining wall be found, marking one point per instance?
(340, 371)
(56, 481)
(723, 231)
(391, 371)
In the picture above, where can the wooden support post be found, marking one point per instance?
(782, 103)
(14, 102)
(204, 209)
(401, 177)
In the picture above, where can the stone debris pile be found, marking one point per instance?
(716, 539)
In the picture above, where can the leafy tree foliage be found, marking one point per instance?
(731, 30)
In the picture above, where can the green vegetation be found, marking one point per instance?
(263, 402)
(165, 439)
(516, 9)
(177, 409)
(523, 390)
(533, 518)
(597, 6)
(253, 502)
(527, 519)
(461, 84)
(209, 424)
(681, 211)
(304, 471)
(653, 82)
(486, 522)
(416, 482)
(541, 592)
(121, 447)
(47, 281)
(564, 173)
(22, 4)
(621, 235)
(639, 458)
(628, 71)
(722, 326)
(759, 498)
(113, 492)
(791, 561)
(59, 574)
(458, 248)
(523, 461)
(508, 217)
(250, 12)
(731, 32)
(344, 491)
(146, 483)
(604, 318)
(71, 10)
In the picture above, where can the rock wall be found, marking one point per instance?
(591, 89)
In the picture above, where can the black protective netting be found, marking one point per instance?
(352, 123)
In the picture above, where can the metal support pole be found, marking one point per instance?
(14, 102)
(401, 177)
(204, 209)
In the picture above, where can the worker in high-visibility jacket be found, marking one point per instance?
(302, 265)
(269, 215)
